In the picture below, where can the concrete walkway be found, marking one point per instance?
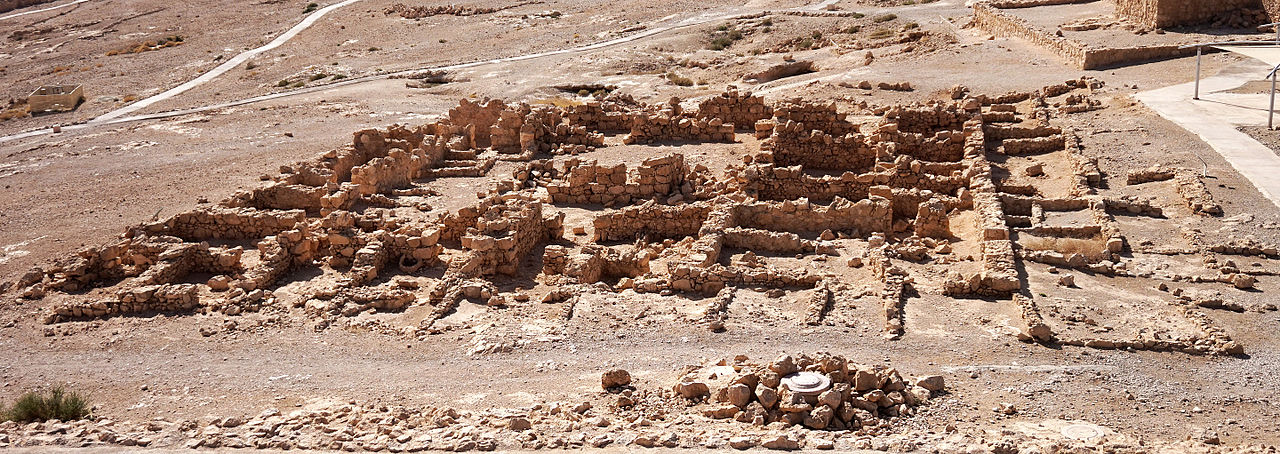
(1215, 116)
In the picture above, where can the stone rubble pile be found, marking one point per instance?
(849, 397)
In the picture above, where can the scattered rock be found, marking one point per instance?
(615, 378)
(692, 390)
(781, 443)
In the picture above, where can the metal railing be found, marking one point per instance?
(1200, 52)
(1271, 111)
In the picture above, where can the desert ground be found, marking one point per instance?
(529, 225)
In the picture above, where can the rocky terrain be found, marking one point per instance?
(539, 225)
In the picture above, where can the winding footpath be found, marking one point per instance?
(51, 8)
(121, 115)
(224, 67)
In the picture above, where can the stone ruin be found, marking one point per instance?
(1174, 13)
(942, 198)
(851, 396)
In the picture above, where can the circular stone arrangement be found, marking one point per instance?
(807, 383)
(1081, 432)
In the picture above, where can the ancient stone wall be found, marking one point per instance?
(1173, 13)
(861, 218)
(545, 128)
(653, 220)
(821, 117)
(789, 183)
(477, 118)
(990, 19)
(508, 228)
(679, 128)
(226, 223)
(600, 117)
(794, 144)
(741, 110)
(587, 182)
(999, 272)
(927, 119)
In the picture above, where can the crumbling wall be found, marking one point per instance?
(508, 228)
(544, 128)
(861, 218)
(477, 118)
(990, 19)
(588, 182)
(226, 223)
(821, 117)
(398, 168)
(794, 143)
(741, 110)
(680, 128)
(927, 118)
(600, 117)
(999, 273)
(651, 219)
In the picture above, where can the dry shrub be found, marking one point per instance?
(168, 41)
(18, 110)
(56, 403)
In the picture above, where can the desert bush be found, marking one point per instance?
(55, 403)
(679, 80)
(885, 18)
(167, 41)
(16, 111)
(723, 37)
(310, 7)
(720, 43)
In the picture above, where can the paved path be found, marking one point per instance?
(1215, 117)
(51, 8)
